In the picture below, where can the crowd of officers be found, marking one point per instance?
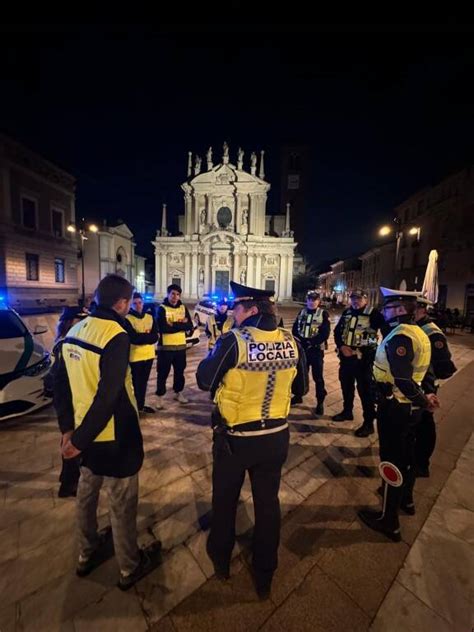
(255, 371)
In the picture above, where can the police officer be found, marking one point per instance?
(356, 341)
(312, 328)
(142, 349)
(97, 409)
(250, 374)
(174, 321)
(401, 363)
(441, 368)
(218, 323)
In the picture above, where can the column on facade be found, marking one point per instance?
(250, 278)
(236, 267)
(207, 269)
(209, 209)
(196, 213)
(252, 212)
(289, 276)
(238, 213)
(282, 278)
(194, 275)
(164, 273)
(188, 205)
(157, 274)
(258, 271)
(187, 274)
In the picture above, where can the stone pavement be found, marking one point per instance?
(333, 574)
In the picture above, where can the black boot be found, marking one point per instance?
(296, 400)
(221, 569)
(365, 430)
(263, 584)
(344, 415)
(319, 410)
(385, 521)
(406, 505)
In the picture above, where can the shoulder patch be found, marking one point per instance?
(401, 351)
(439, 344)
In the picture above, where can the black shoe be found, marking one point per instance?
(103, 552)
(221, 571)
(147, 409)
(319, 410)
(365, 430)
(422, 472)
(296, 400)
(374, 520)
(406, 507)
(150, 558)
(67, 491)
(263, 585)
(343, 416)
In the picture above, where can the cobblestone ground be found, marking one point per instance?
(328, 473)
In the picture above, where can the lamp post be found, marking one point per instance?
(82, 231)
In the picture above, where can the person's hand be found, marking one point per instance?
(65, 438)
(69, 451)
(433, 402)
(346, 351)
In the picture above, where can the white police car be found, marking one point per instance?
(207, 307)
(23, 366)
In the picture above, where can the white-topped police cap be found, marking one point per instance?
(312, 294)
(245, 293)
(398, 296)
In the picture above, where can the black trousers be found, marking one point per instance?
(425, 439)
(354, 371)
(140, 374)
(396, 424)
(263, 458)
(166, 360)
(315, 361)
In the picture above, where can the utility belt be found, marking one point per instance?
(251, 429)
(385, 395)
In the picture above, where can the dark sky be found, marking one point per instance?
(384, 111)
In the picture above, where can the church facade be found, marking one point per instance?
(225, 233)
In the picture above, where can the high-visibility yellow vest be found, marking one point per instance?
(215, 331)
(176, 341)
(357, 330)
(82, 351)
(420, 362)
(259, 386)
(308, 324)
(139, 353)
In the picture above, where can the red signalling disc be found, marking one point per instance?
(390, 474)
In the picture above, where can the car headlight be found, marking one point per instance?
(39, 367)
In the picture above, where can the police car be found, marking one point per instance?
(207, 307)
(23, 365)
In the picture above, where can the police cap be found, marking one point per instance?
(313, 294)
(244, 293)
(398, 296)
(358, 292)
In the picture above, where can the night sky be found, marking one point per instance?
(384, 113)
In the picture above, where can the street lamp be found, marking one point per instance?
(384, 231)
(82, 231)
(415, 230)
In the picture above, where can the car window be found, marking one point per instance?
(11, 326)
(208, 304)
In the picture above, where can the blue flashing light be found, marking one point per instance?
(148, 297)
(214, 296)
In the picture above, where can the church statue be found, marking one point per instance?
(225, 154)
(203, 217)
(240, 158)
(253, 160)
(197, 165)
(209, 154)
(201, 276)
(242, 277)
(245, 217)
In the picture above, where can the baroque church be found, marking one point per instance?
(224, 234)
